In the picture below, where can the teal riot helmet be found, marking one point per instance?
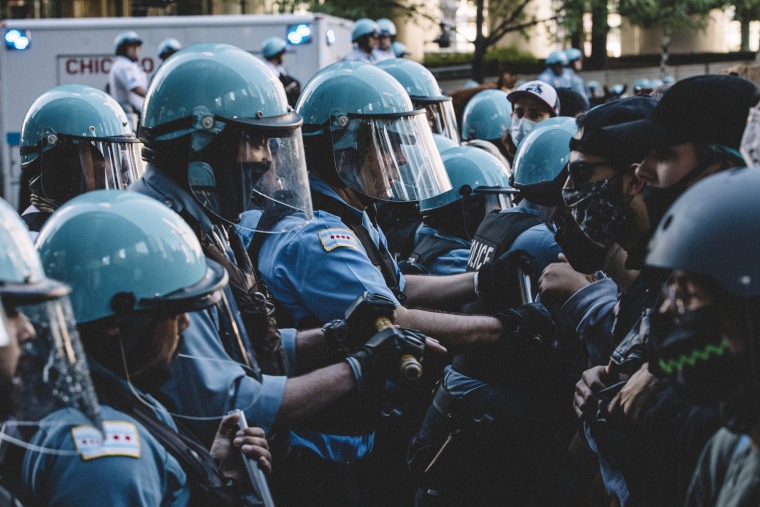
(364, 27)
(123, 252)
(75, 139)
(168, 47)
(425, 93)
(361, 131)
(44, 376)
(472, 172)
(544, 151)
(486, 116)
(273, 46)
(443, 143)
(217, 121)
(124, 39)
(399, 49)
(557, 57)
(387, 27)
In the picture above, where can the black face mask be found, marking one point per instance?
(583, 254)
(693, 352)
(659, 200)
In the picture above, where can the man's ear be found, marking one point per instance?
(635, 184)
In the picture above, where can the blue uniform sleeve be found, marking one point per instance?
(538, 241)
(316, 275)
(206, 383)
(591, 311)
(452, 262)
(149, 475)
(289, 345)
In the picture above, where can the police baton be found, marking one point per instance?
(255, 474)
(526, 286)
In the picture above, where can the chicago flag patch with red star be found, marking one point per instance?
(335, 238)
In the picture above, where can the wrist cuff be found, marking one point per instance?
(357, 370)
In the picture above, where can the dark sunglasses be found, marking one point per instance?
(581, 171)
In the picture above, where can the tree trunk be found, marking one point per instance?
(599, 29)
(745, 34)
(665, 49)
(478, 59)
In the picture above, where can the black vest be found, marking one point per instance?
(495, 236)
(429, 249)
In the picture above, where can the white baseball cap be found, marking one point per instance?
(537, 89)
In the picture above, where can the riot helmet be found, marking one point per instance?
(361, 131)
(217, 121)
(44, 369)
(399, 49)
(486, 116)
(544, 151)
(131, 262)
(387, 27)
(573, 54)
(556, 57)
(364, 27)
(425, 93)
(75, 139)
(125, 39)
(168, 47)
(272, 47)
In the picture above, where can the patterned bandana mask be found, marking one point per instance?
(595, 211)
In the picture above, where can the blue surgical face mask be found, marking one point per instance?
(520, 128)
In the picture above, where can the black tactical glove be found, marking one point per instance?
(530, 322)
(498, 279)
(343, 335)
(380, 358)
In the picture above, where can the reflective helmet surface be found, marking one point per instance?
(486, 116)
(121, 251)
(22, 279)
(368, 118)
(573, 54)
(556, 58)
(443, 143)
(544, 151)
(425, 92)
(168, 47)
(387, 27)
(399, 49)
(364, 27)
(125, 38)
(718, 241)
(468, 169)
(74, 139)
(273, 46)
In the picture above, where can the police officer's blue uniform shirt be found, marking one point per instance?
(383, 54)
(205, 381)
(564, 80)
(452, 262)
(131, 468)
(576, 83)
(319, 269)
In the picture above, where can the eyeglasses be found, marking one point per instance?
(582, 171)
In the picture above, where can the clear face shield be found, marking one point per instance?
(441, 117)
(78, 165)
(265, 188)
(51, 391)
(389, 157)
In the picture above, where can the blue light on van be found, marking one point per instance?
(300, 34)
(18, 39)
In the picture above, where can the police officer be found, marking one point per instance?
(74, 139)
(127, 81)
(273, 51)
(134, 268)
(398, 220)
(364, 37)
(487, 117)
(219, 162)
(386, 38)
(574, 67)
(556, 72)
(399, 49)
(497, 409)
(168, 47)
(442, 243)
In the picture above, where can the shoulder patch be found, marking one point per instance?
(334, 238)
(121, 439)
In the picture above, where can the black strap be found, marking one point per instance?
(35, 221)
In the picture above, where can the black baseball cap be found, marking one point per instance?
(707, 109)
